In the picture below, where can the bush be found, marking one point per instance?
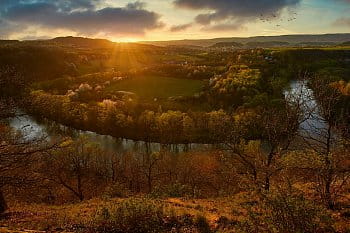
(202, 224)
(175, 190)
(287, 213)
(131, 216)
(141, 215)
(116, 190)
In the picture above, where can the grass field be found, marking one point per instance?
(45, 218)
(80, 216)
(150, 87)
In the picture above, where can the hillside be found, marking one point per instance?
(82, 42)
(258, 41)
(292, 39)
(188, 215)
(226, 44)
(77, 42)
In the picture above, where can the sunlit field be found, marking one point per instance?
(150, 87)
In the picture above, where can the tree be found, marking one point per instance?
(274, 127)
(147, 125)
(17, 153)
(70, 166)
(150, 169)
(323, 134)
(170, 126)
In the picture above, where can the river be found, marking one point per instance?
(32, 128)
(300, 92)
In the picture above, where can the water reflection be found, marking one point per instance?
(301, 93)
(33, 128)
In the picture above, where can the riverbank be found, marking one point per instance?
(32, 128)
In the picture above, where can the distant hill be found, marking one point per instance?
(8, 42)
(97, 43)
(79, 42)
(347, 43)
(315, 43)
(82, 42)
(64, 41)
(267, 44)
(292, 39)
(227, 44)
(236, 42)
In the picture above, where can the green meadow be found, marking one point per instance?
(150, 87)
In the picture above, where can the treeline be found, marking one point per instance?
(183, 71)
(332, 63)
(127, 120)
(240, 91)
(39, 63)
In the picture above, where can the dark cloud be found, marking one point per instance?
(80, 16)
(234, 12)
(179, 28)
(62, 5)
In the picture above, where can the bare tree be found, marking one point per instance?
(12, 151)
(277, 127)
(18, 153)
(323, 133)
(71, 166)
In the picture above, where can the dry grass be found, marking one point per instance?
(45, 217)
(75, 217)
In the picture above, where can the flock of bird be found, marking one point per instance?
(270, 18)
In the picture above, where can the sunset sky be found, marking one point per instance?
(127, 20)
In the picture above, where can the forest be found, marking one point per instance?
(98, 136)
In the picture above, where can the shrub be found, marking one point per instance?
(175, 190)
(116, 190)
(132, 215)
(202, 224)
(141, 215)
(288, 213)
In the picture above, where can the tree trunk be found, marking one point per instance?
(149, 184)
(3, 205)
(268, 165)
(328, 185)
(149, 179)
(80, 190)
(267, 182)
(328, 196)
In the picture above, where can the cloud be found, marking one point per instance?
(79, 16)
(231, 13)
(224, 27)
(181, 27)
(62, 5)
(342, 22)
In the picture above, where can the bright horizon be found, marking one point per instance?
(162, 20)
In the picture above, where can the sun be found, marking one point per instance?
(124, 40)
